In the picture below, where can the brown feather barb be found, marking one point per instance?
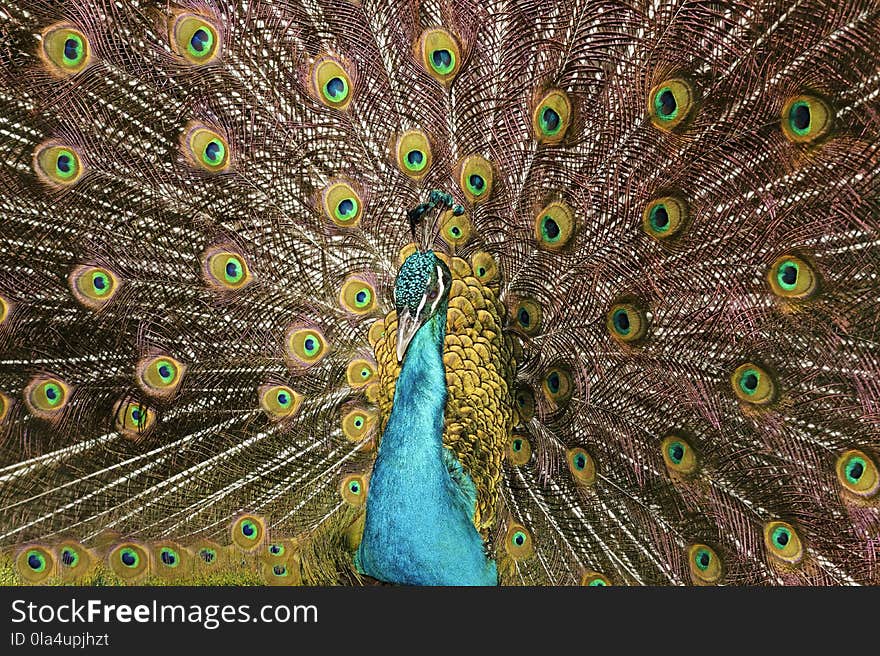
(662, 349)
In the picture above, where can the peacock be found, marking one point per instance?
(440, 292)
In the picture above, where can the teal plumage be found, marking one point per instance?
(660, 352)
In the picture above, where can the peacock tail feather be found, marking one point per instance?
(662, 352)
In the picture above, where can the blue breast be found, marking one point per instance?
(419, 525)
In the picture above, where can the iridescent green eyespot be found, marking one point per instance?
(195, 38)
(332, 83)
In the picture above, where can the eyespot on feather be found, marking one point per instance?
(206, 149)
(627, 322)
(305, 346)
(525, 404)
(475, 178)
(518, 542)
(455, 230)
(670, 103)
(519, 450)
(93, 287)
(665, 217)
(527, 316)
(360, 372)
(225, 269)
(279, 401)
(438, 51)
(194, 38)
(581, 465)
(46, 397)
(133, 419)
(74, 561)
(484, 267)
(357, 296)
(594, 579)
(783, 542)
(551, 117)
(678, 455)
(331, 83)
(705, 565)
(342, 204)
(753, 384)
(554, 226)
(64, 49)
(558, 385)
(356, 424)
(160, 375)
(35, 564)
(413, 153)
(857, 473)
(130, 561)
(353, 489)
(171, 561)
(59, 166)
(248, 532)
(792, 277)
(806, 119)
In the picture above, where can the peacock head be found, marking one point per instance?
(421, 291)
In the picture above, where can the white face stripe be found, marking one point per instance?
(440, 292)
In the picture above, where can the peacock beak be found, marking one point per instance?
(407, 327)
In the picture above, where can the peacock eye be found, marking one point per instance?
(581, 466)
(341, 204)
(206, 149)
(169, 557)
(551, 117)
(357, 295)
(57, 165)
(753, 384)
(792, 277)
(332, 83)
(225, 269)
(45, 397)
(518, 451)
(195, 39)
(626, 322)
(353, 489)
(356, 424)
(279, 401)
(93, 287)
(594, 579)
(160, 375)
(783, 542)
(248, 532)
(678, 455)
(665, 217)
(705, 565)
(554, 226)
(413, 153)
(670, 103)
(475, 177)
(857, 472)
(207, 555)
(65, 49)
(806, 119)
(133, 420)
(439, 54)
(519, 542)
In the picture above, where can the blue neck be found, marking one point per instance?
(419, 526)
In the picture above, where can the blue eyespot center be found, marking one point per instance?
(476, 182)
(164, 371)
(442, 58)
(71, 49)
(279, 570)
(750, 381)
(621, 321)
(517, 445)
(676, 452)
(231, 269)
(64, 163)
(336, 87)
(667, 104)
(660, 218)
(128, 558)
(282, 398)
(346, 207)
(199, 40)
(524, 318)
(551, 228)
(35, 562)
(361, 297)
(68, 558)
(248, 530)
(703, 559)
(789, 274)
(213, 150)
(800, 116)
(414, 157)
(551, 119)
(207, 555)
(553, 382)
(168, 557)
(51, 393)
(580, 461)
(855, 470)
